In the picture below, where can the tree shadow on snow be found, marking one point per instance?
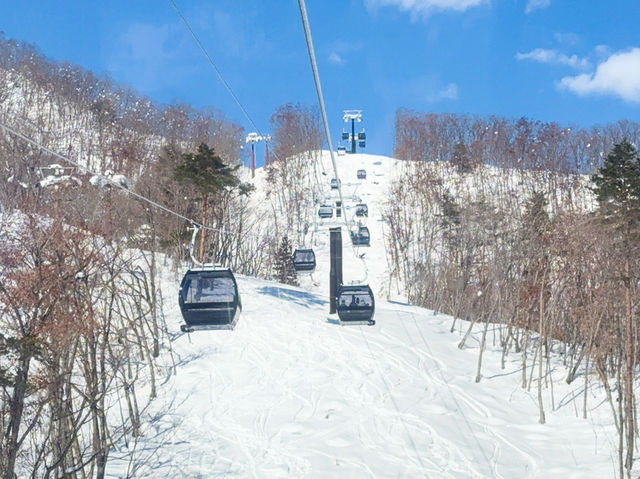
(299, 297)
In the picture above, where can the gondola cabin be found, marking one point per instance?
(209, 299)
(342, 151)
(362, 210)
(325, 211)
(361, 237)
(362, 174)
(304, 260)
(355, 304)
(334, 183)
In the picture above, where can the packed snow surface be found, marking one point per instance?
(291, 393)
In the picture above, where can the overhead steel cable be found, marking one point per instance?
(323, 110)
(316, 77)
(451, 393)
(105, 178)
(217, 70)
(244, 110)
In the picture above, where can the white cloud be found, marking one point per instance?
(568, 38)
(450, 92)
(602, 51)
(147, 55)
(424, 8)
(336, 59)
(542, 55)
(619, 75)
(417, 90)
(339, 51)
(533, 5)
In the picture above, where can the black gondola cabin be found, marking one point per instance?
(355, 304)
(361, 237)
(209, 299)
(304, 260)
(325, 211)
(362, 209)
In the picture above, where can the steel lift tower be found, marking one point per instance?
(254, 138)
(354, 115)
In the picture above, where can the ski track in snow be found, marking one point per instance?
(289, 394)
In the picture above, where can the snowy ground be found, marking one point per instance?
(289, 393)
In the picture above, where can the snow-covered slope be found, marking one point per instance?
(361, 264)
(290, 393)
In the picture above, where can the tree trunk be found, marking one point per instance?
(525, 345)
(482, 343)
(541, 332)
(16, 410)
(630, 360)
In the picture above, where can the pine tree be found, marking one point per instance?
(617, 183)
(206, 171)
(617, 187)
(461, 158)
(450, 220)
(209, 175)
(536, 219)
(285, 270)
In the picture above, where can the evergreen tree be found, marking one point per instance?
(461, 158)
(285, 270)
(450, 219)
(617, 187)
(536, 219)
(206, 171)
(210, 176)
(617, 183)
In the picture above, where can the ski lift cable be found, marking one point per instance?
(197, 225)
(323, 110)
(218, 72)
(316, 77)
(413, 344)
(138, 196)
(446, 382)
(221, 77)
(244, 110)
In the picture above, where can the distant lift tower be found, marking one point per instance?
(354, 115)
(254, 138)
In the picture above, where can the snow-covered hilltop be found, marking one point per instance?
(290, 394)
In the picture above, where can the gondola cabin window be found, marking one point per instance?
(355, 300)
(210, 290)
(304, 257)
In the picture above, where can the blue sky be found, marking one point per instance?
(575, 62)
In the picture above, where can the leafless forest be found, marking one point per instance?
(495, 221)
(491, 220)
(81, 325)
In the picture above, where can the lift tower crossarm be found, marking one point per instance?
(353, 115)
(254, 138)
